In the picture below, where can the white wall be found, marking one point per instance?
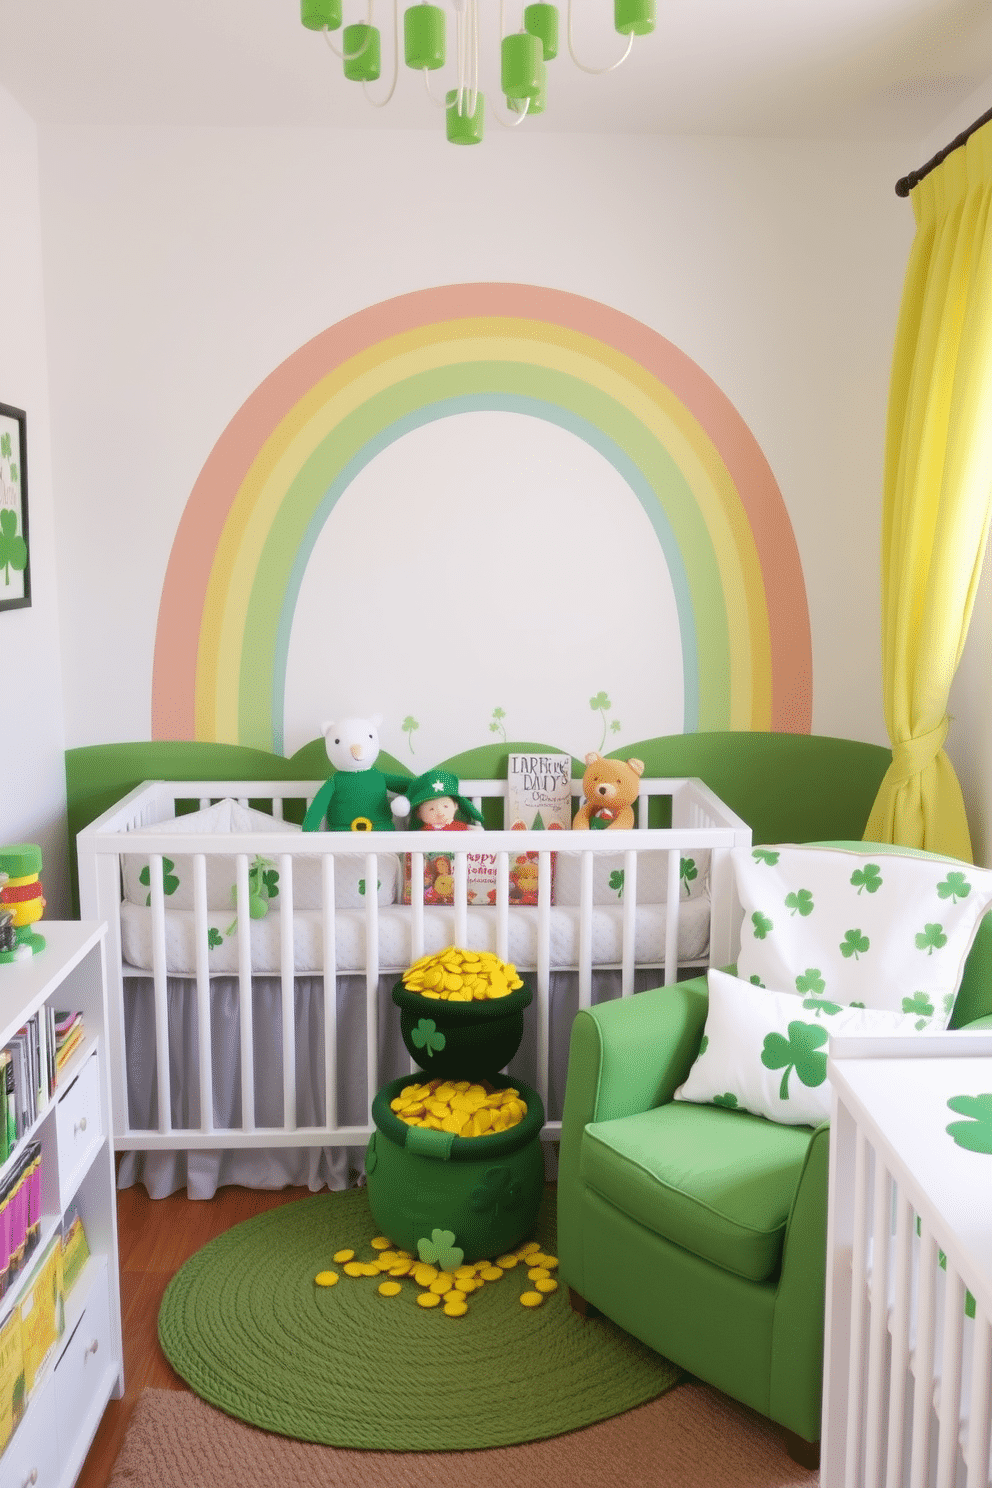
(32, 735)
(182, 266)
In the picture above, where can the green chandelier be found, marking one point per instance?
(524, 54)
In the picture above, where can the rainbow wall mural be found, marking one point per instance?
(273, 478)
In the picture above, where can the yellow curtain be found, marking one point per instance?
(937, 494)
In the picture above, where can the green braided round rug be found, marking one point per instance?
(247, 1328)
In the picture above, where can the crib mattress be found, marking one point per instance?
(394, 931)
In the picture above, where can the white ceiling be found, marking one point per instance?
(838, 68)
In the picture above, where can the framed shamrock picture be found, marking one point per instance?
(15, 556)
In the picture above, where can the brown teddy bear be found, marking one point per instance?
(609, 788)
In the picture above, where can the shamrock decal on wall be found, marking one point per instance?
(426, 1036)
(798, 1052)
(974, 1133)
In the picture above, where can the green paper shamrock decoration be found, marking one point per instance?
(441, 1250)
(426, 1036)
(798, 1052)
(974, 1133)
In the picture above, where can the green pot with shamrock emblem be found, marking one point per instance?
(462, 1040)
(466, 1198)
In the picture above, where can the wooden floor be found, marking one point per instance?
(156, 1236)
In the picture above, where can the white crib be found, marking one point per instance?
(280, 1092)
(908, 1351)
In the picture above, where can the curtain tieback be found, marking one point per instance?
(911, 756)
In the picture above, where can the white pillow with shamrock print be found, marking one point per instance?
(766, 1052)
(881, 929)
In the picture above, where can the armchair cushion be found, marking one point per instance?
(718, 1183)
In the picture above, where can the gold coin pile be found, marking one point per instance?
(460, 1107)
(454, 975)
(449, 1290)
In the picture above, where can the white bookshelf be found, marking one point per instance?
(85, 1370)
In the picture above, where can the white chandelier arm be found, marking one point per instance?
(344, 56)
(596, 71)
(437, 102)
(381, 102)
(467, 12)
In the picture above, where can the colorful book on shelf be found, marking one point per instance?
(42, 1309)
(75, 1247)
(13, 1394)
(538, 798)
(69, 1032)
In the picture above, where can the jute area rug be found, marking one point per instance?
(692, 1437)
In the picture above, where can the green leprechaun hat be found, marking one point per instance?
(433, 787)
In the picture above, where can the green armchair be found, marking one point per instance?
(700, 1230)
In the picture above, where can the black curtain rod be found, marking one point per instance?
(906, 184)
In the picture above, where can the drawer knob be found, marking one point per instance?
(93, 1346)
(80, 1126)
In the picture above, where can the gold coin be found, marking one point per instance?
(344, 1255)
(507, 1262)
(538, 1273)
(354, 1268)
(455, 1309)
(528, 1248)
(455, 1295)
(441, 1284)
(469, 1284)
(389, 1288)
(531, 1299)
(326, 1278)
(491, 1273)
(428, 1299)
(546, 1284)
(461, 1271)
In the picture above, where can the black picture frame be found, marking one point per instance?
(15, 544)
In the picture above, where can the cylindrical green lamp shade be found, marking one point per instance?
(635, 16)
(521, 65)
(534, 105)
(465, 128)
(542, 21)
(361, 53)
(423, 37)
(316, 14)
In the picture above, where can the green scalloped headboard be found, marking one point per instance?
(787, 787)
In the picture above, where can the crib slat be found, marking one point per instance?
(416, 906)
(585, 930)
(949, 1409)
(543, 971)
(859, 1269)
(330, 993)
(204, 1044)
(460, 893)
(878, 1306)
(245, 1003)
(899, 1372)
(503, 906)
(156, 887)
(629, 933)
(978, 1456)
(287, 967)
(673, 907)
(923, 1358)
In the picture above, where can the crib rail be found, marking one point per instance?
(699, 821)
(908, 1351)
